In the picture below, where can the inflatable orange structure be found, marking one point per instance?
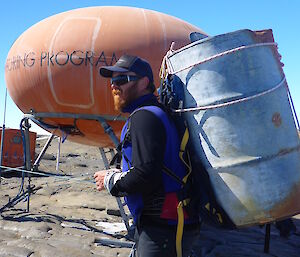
(52, 69)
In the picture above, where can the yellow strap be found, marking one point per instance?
(179, 231)
(183, 144)
(220, 218)
(214, 211)
(207, 206)
(184, 141)
(180, 213)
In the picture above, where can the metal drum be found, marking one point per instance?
(236, 103)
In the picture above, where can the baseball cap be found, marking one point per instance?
(128, 63)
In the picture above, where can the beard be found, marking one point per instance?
(119, 102)
(123, 98)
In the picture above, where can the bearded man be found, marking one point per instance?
(150, 145)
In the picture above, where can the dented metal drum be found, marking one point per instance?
(241, 123)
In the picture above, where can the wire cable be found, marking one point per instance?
(76, 179)
(3, 133)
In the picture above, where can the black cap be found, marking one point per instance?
(128, 63)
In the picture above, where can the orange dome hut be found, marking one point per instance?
(52, 69)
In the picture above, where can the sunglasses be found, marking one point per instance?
(123, 79)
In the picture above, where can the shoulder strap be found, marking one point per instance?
(116, 160)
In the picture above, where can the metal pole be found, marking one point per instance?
(2, 134)
(27, 145)
(58, 154)
(27, 158)
(108, 130)
(38, 159)
(112, 153)
(104, 159)
(2, 145)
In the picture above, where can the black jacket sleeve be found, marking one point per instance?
(148, 138)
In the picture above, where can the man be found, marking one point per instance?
(150, 145)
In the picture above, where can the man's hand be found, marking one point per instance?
(100, 175)
(99, 179)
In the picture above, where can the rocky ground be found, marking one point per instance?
(65, 211)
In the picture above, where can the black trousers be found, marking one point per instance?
(155, 241)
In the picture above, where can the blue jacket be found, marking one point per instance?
(156, 198)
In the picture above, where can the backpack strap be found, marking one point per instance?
(186, 201)
(116, 160)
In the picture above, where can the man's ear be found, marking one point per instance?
(144, 81)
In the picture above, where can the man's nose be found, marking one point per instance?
(113, 86)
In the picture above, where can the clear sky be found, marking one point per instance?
(214, 17)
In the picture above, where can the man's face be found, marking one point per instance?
(124, 94)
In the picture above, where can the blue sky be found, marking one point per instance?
(214, 17)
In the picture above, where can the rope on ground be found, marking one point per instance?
(70, 178)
